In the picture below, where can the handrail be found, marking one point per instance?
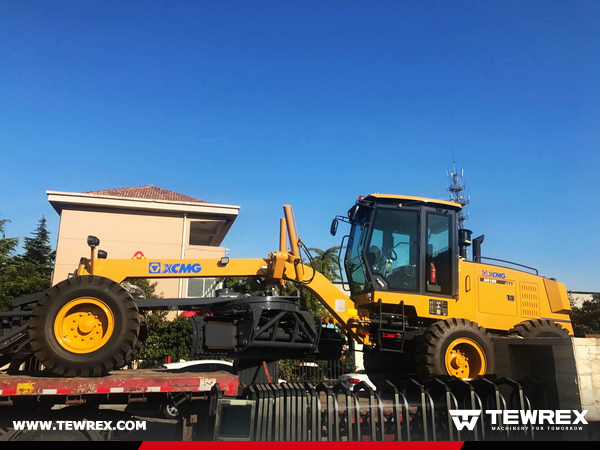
(479, 258)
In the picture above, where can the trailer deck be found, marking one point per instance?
(42, 387)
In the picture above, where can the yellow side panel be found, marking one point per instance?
(497, 296)
(557, 296)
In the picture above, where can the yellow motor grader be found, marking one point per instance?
(416, 303)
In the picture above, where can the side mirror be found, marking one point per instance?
(334, 227)
(93, 241)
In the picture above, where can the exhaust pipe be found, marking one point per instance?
(477, 248)
(464, 241)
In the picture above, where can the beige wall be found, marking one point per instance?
(122, 234)
(587, 358)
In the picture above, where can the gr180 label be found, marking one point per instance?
(495, 281)
(157, 267)
(487, 273)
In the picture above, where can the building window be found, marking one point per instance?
(203, 287)
(203, 232)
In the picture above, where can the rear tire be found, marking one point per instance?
(455, 347)
(139, 343)
(538, 328)
(84, 326)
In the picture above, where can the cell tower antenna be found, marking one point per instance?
(457, 186)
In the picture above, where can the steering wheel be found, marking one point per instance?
(389, 254)
(392, 255)
(382, 262)
(386, 256)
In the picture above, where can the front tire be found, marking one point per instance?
(84, 326)
(455, 347)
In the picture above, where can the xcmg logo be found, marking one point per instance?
(501, 420)
(486, 273)
(157, 267)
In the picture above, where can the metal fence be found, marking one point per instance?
(409, 411)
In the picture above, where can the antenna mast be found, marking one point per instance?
(456, 187)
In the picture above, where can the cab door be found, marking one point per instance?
(440, 253)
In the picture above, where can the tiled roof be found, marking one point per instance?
(148, 192)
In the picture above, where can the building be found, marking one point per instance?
(578, 297)
(157, 222)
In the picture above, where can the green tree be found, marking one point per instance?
(586, 318)
(38, 251)
(244, 286)
(165, 337)
(327, 264)
(18, 277)
(323, 261)
(149, 289)
(7, 249)
(7, 245)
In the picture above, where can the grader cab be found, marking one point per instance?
(416, 303)
(429, 308)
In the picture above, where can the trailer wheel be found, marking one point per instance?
(455, 347)
(84, 326)
(170, 412)
(538, 328)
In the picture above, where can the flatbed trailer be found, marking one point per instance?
(133, 385)
(39, 396)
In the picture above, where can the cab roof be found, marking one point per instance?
(408, 199)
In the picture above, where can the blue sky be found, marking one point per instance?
(264, 103)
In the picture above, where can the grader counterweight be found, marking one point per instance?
(416, 303)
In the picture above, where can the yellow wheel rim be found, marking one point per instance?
(465, 359)
(84, 325)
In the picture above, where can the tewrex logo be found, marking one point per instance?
(157, 267)
(467, 418)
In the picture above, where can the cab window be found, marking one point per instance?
(392, 252)
(438, 259)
